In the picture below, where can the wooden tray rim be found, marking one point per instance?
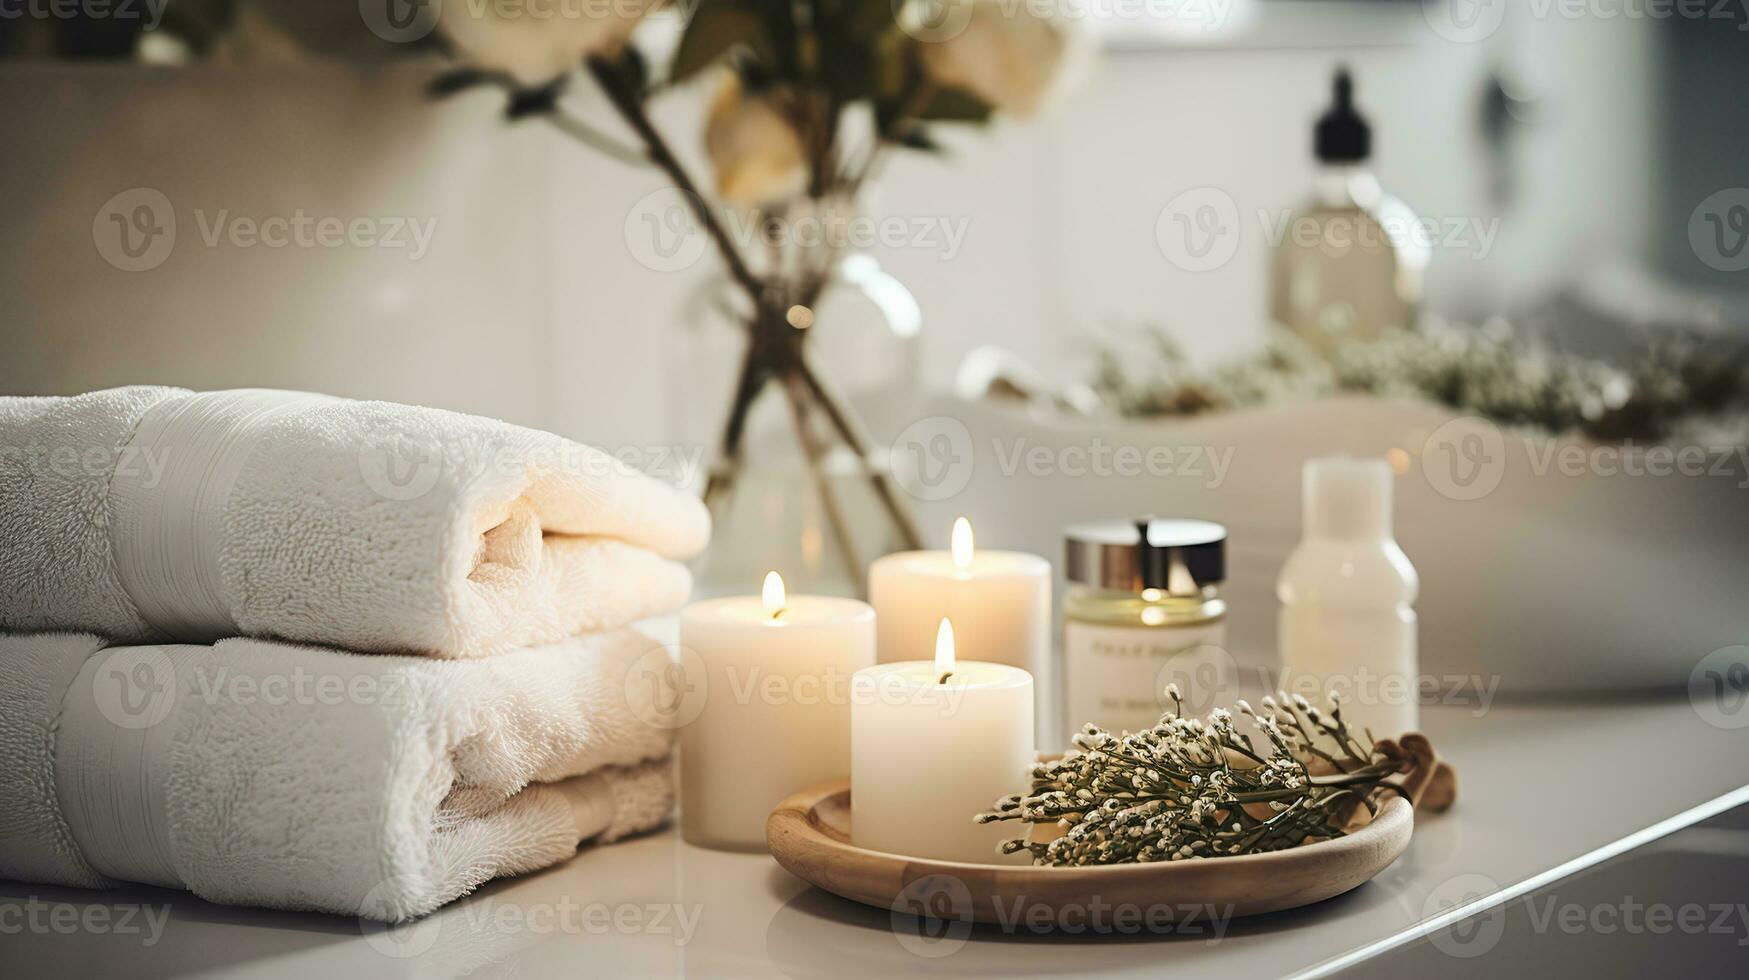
(797, 839)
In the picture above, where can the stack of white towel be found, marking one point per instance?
(295, 651)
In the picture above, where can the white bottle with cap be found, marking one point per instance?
(1347, 592)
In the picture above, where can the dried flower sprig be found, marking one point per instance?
(1189, 788)
(1670, 379)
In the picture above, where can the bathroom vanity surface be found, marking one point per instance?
(1554, 800)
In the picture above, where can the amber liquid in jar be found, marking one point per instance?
(1121, 649)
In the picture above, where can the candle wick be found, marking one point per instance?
(944, 677)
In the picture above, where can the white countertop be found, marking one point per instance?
(1537, 799)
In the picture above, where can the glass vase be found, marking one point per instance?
(790, 490)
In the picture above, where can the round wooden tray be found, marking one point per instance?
(809, 834)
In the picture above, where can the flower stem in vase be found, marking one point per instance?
(798, 397)
(775, 354)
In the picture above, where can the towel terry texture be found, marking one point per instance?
(296, 777)
(152, 514)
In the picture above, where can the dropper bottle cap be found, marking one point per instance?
(1342, 135)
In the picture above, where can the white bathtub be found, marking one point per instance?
(1549, 582)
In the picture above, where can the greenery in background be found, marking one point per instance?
(1671, 378)
(1188, 789)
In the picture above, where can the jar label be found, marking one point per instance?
(1116, 676)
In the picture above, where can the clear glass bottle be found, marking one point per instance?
(1348, 265)
(1143, 611)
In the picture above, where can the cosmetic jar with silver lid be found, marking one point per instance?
(1142, 611)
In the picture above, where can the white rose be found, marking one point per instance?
(536, 41)
(758, 156)
(1005, 53)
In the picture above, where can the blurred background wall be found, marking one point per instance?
(1590, 140)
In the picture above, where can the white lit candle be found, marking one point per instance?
(774, 705)
(999, 601)
(933, 743)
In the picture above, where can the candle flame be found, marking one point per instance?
(944, 649)
(962, 543)
(772, 595)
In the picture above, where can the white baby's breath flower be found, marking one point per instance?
(1183, 792)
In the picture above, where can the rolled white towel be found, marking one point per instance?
(261, 773)
(149, 514)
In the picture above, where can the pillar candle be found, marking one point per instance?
(934, 743)
(999, 602)
(774, 674)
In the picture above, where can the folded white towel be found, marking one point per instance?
(261, 773)
(150, 514)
